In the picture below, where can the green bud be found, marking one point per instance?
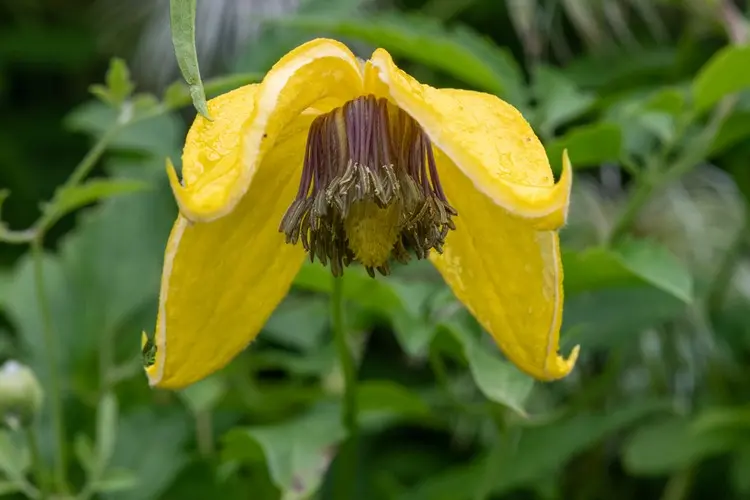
(20, 394)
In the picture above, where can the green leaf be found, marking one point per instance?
(587, 145)
(114, 480)
(632, 263)
(204, 395)
(182, 24)
(499, 380)
(118, 81)
(734, 130)
(153, 448)
(672, 444)
(297, 452)
(740, 466)
(13, 458)
(535, 455)
(106, 429)
(382, 402)
(159, 136)
(8, 487)
(395, 300)
(299, 323)
(111, 245)
(84, 452)
(69, 199)
(722, 75)
(460, 52)
(558, 99)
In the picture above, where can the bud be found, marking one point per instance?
(20, 394)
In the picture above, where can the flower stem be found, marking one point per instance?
(347, 460)
(53, 372)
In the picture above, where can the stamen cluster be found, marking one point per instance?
(369, 190)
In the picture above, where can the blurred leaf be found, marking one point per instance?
(159, 136)
(152, 448)
(113, 244)
(558, 99)
(718, 419)
(8, 487)
(297, 452)
(398, 301)
(740, 466)
(627, 67)
(116, 480)
(734, 130)
(671, 444)
(14, 461)
(540, 452)
(587, 145)
(382, 402)
(299, 322)
(182, 24)
(606, 318)
(69, 199)
(721, 76)
(634, 262)
(499, 380)
(84, 452)
(204, 395)
(460, 52)
(118, 84)
(106, 429)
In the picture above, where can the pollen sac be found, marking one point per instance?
(369, 190)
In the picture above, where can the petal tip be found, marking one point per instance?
(562, 367)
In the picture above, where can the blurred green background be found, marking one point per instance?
(648, 96)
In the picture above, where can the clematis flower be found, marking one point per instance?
(343, 161)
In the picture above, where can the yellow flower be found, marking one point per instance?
(392, 169)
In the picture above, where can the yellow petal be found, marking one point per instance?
(223, 279)
(508, 274)
(221, 157)
(489, 141)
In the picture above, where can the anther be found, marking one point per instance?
(369, 190)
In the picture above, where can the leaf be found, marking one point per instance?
(634, 262)
(299, 323)
(558, 99)
(111, 245)
(382, 402)
(297, 452)
(538, 453)
(672, 444)
(152, 447)
(499, 380)
(8, 487)
(734, 130)
(460, 52)
(159, 136)
(721, 75)
(182, 24)
(106, 429)
(69, 199)
(587, 145)
(118, 81)
(740, 466)
(13, 463)
(84, 452)
(398, 301)
(204, 395)
(116, 480)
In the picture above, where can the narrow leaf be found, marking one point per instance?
(106, 429)
(182, 21)
(69, 199)
(588, 145)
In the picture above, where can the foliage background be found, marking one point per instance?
(657, 274)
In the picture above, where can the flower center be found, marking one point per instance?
(369, 190)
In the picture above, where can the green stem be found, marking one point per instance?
(346, 359)
(53, 371)
(32, 441)
(347, 460)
